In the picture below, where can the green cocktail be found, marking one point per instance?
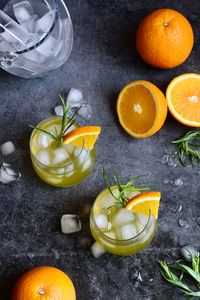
(118, 230)
(59, 165)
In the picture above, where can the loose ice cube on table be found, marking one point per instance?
(60, 155)
(23, 10)
(101, 221)
(123, 217)
(59, 110)
(44, 140)
(97, 250)
(43, 157)
(127, 231)
(70, 223)
(85, 111)
(8, 174)
(7, 148)
(75, 98)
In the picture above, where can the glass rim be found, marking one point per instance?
(47, 166)
(56, 9)
(118, 240)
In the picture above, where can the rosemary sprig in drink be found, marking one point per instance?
(187, 147)
(66, 123)
(122, 199)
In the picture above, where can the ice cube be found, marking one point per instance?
(8, 9)
(82, 156)
(47, 46)
(123, 217)
(59, 110)
(44, 24)
(7, 148)
(14, 33)
(54, 129)
(75, 98)
(30, 24)
(60, 155)
(23, 10)
(87, 164)
(70, 223)
(128, 231)
(44, 140)
(61, 171)
(8, 174)
(143, 219)
(85, 111)
(108, 201)
(110, 234)
(72, 127)
(101, 221)
(69, 170)
(43, 157)
(97, 250)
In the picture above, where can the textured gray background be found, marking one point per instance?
(103, 60)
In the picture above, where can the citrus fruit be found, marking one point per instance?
(164, 38)
(145, 202)
(83, 136)
(44, 283)
(183, 99)
(141, 108)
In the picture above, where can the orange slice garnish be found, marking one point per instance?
(145, 202)
(183, 98)
(83, 136)
(141, 108)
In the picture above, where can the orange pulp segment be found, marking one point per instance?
(145, 202)
(141, 108)
(183, 98)
(85, 136)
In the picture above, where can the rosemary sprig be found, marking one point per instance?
(66, 123)
(188, 147)
(122, 199)
(176, 281)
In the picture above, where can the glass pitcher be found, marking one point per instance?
(36, 36)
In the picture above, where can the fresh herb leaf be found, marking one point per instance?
(188, 148)
(122, 199)
(66, 123)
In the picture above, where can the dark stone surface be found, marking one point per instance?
(103, 60)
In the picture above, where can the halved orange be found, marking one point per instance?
(141, 108)
(85, 136)
(183, 99)
(145, 202)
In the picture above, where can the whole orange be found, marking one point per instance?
(44, 283)
(164, 38)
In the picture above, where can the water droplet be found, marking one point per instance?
(135, 276)
(42, 292)
(56, 253)
(163, 159)
(150, 279)
(178, 182)
(172, 162)
(167, 181)
(183, 223)
(31, 255)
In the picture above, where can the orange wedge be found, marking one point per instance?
(145, 202)
(141, 108)
(183, 98)
(83, 136)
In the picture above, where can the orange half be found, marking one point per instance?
(141, 108)
(145, 202)
(183, 99)
(85, 136)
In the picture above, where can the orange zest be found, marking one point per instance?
(183, 99)
(44, 283)
(145, 202)
(164, 38)
(141, 108)
(83, 137)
